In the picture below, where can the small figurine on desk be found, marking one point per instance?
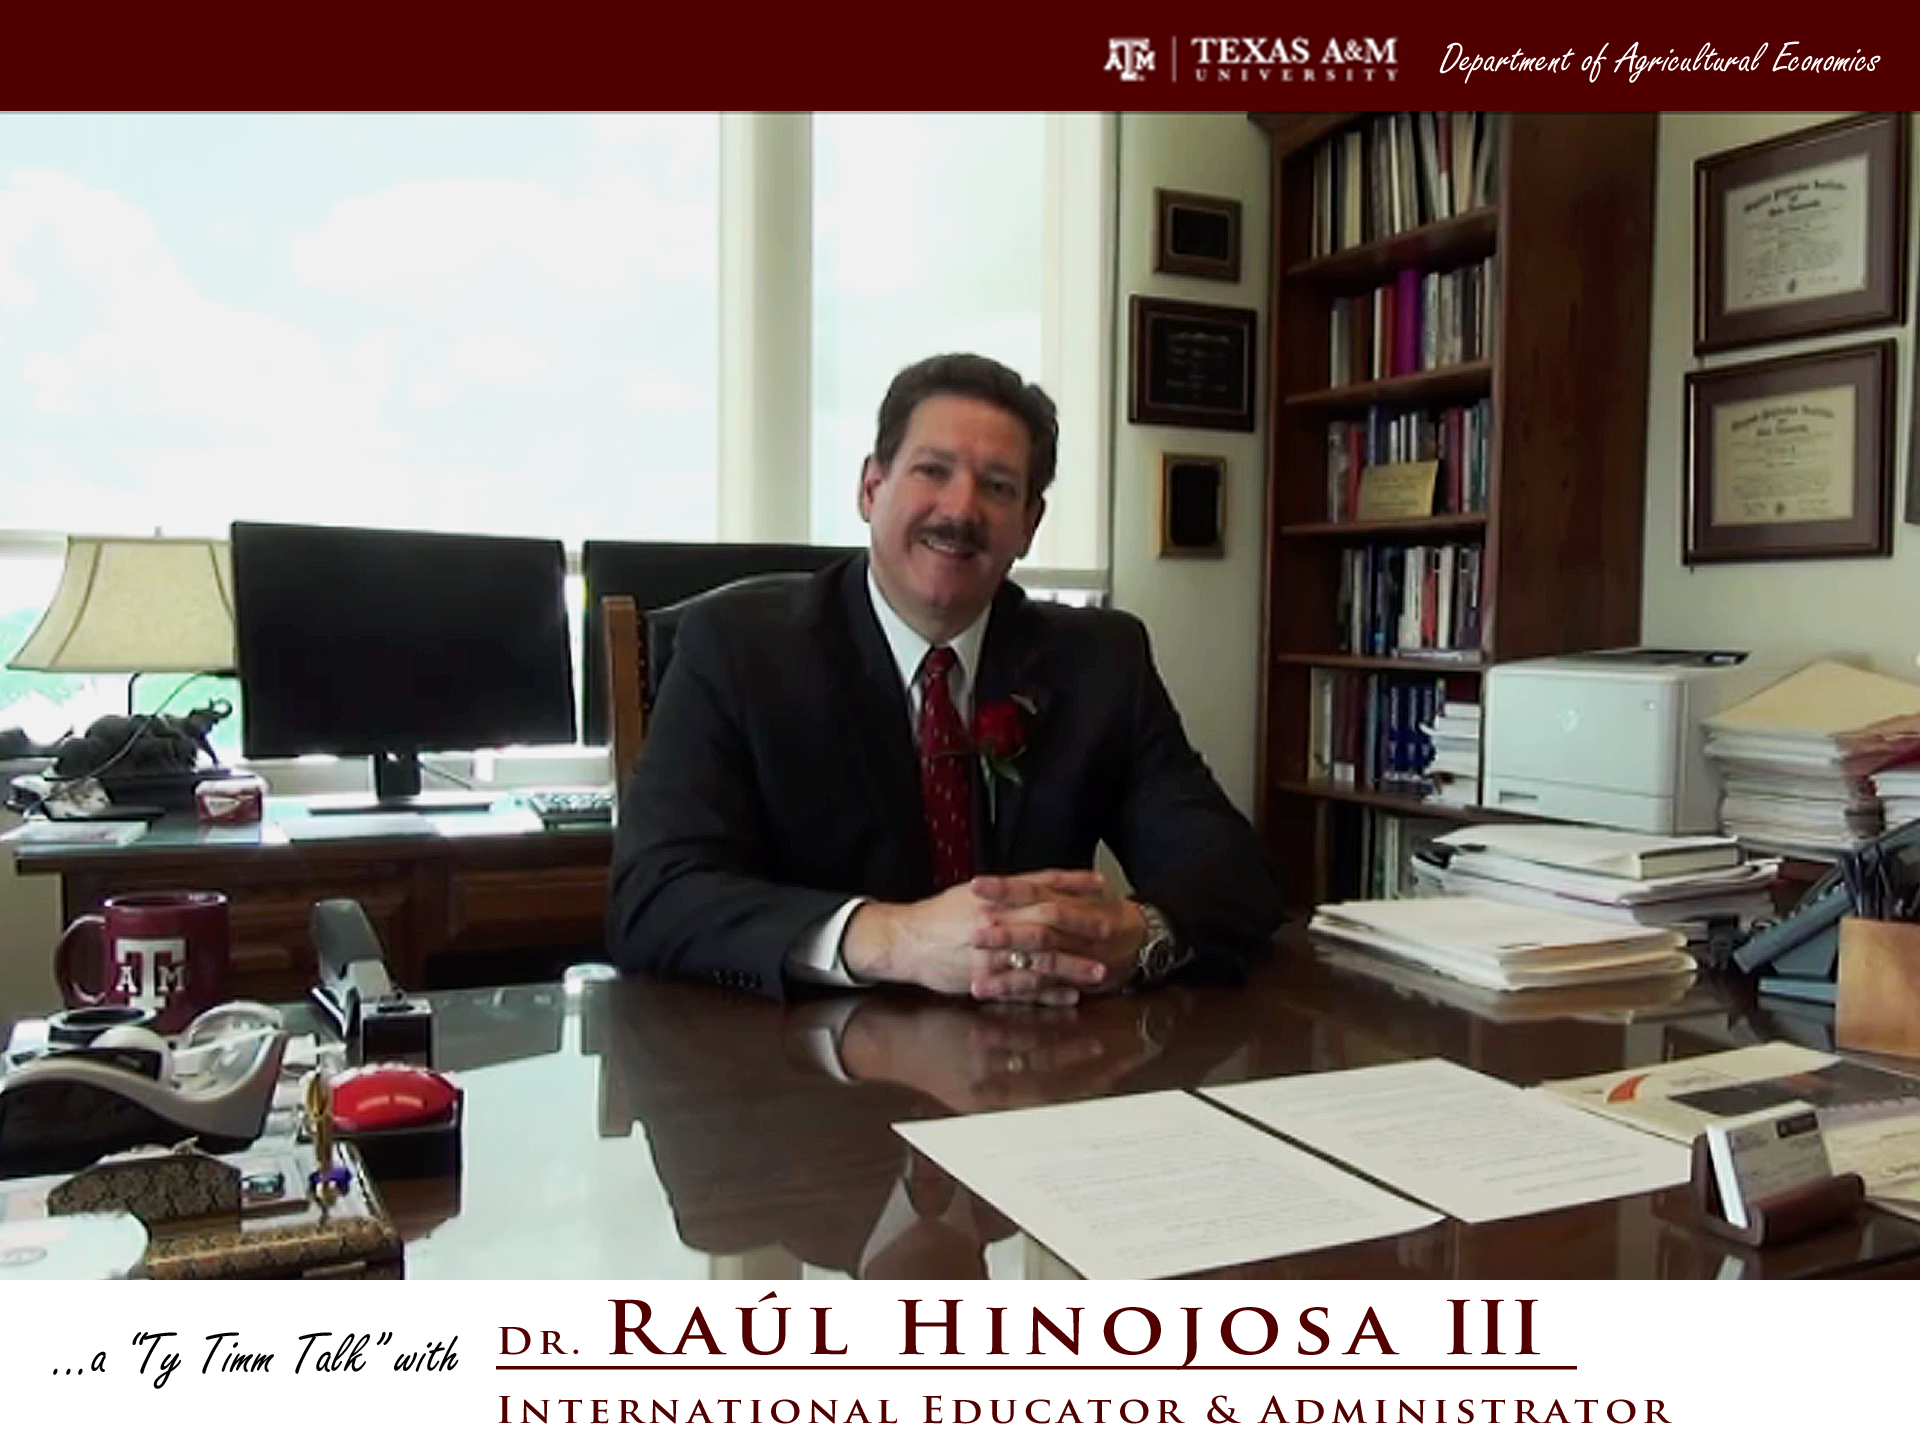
(329, 1179)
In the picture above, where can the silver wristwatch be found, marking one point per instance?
(1161, 954)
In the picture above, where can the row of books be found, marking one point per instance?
(1401, 171)
(1458, 437)
(1370, 730)
(1418, 322)
(1376, 860)
(1411, 600)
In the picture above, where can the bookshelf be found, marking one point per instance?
(1471, 289)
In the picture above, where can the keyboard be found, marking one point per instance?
(558, 808)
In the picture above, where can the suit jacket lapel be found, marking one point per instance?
(1011, 665)
(867, 685)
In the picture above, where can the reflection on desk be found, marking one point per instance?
(678, 1131)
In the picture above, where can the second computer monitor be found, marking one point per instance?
(391, 643)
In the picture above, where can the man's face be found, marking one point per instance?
(952, 513)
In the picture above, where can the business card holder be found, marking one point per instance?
(1777, 1218)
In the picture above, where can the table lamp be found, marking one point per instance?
(137, 604)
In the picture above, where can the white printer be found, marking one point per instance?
(1613, 737)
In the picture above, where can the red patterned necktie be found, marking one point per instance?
(946, 783)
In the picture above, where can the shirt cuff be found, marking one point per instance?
(816, 955)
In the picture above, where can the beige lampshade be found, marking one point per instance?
(129, 604)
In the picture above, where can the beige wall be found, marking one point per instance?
(1203, 614)
(1801, 606)
(29, 924)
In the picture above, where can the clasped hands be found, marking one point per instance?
(1044, 938)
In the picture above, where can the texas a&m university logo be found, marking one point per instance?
(1132, 58)
(149, 971)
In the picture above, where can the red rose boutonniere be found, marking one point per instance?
(999, 739)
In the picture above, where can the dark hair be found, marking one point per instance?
(982, 379)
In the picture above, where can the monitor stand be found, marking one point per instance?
(396, 787)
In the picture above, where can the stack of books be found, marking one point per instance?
(1797, 761)
(1453, 770)
(1689, 883)
(1503, 947)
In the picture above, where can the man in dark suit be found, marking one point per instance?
(899, 769)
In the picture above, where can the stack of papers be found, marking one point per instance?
(1502, 946)
(1591, 850)
(1454, 769)
(1686, 883)
(1899, 789)
(1797, 760)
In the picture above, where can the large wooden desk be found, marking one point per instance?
(481, 884)
(645, 1129)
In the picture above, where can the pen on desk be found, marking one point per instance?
(329, 1178)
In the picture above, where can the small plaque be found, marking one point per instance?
(1192, 365)
(1193, 504)
(1397, 492)
(1198, 235)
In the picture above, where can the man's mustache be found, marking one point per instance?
(954, 532)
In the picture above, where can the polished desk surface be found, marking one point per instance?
(636, 1128)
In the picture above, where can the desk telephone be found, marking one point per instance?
(1798, 956)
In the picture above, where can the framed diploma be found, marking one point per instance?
(1791, 459)
(1191, 365)
(1801, 235)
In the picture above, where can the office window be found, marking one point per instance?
(987, 233)
(927, 236)
(504, 323)
(490, 322)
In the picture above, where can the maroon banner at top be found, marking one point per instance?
(1129, 57)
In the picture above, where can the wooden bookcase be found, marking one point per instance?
(1567, 236)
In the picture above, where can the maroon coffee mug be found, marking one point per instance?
(163, 949)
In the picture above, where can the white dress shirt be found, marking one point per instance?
(817, 955)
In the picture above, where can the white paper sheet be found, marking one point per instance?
(1137, 1187)
(1474, 1146)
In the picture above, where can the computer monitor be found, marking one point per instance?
(658, 573)
(390, 643)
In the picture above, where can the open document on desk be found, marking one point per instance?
(1469, 1144)
(1140, 1187)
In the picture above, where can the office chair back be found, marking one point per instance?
(657, 573)
(638, 649)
